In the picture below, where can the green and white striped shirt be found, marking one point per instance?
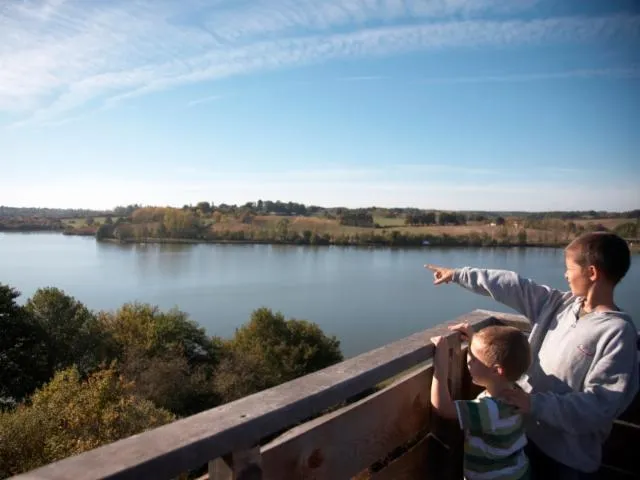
(494, 439)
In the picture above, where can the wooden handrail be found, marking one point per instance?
(234, 430)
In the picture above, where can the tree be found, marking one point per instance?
(270, 350)
(522, 237)
(246, 217)
(500, 221)
(23, 350)
(627, 230)
(74, 335)
(123, 231)
(69, 416)
(204, 207)
(355, 218)
(148, 215)
(169, 357)
(146, 329)
(167, 380)
(446, 218)
(181, 223)
(282, 229)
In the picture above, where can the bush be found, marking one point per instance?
(23, 350)
(270, 350)
(74, 335)
(148, 330)
(627, 230)
(168, 356)
(69, 416)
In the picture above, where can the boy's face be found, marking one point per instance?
(480, 368)
(578, 277)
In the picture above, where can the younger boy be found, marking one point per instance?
(494, 431)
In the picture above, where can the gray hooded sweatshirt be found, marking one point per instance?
(584, 371)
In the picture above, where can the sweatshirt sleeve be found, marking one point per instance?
(508, 288)
(610, 386)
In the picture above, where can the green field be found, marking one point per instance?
(81, 222)
(389, 222)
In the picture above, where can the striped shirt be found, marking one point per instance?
(494, 439)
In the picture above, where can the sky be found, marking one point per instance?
(446, 104)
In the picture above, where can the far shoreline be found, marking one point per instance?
(635, 247)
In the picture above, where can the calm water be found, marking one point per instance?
(367, 297)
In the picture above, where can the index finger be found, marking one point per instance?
(433, 268)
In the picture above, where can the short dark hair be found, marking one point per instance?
(507, 347)
(606, 251)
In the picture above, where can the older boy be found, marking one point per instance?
(584, 371)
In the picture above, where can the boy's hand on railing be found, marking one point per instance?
(440, 274)
(441, 356)
(464, 329)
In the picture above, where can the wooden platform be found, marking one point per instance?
(366, 418)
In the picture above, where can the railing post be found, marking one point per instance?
(447, 433)
(240, 465)
(457, 367)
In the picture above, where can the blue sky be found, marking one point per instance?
(448, 104)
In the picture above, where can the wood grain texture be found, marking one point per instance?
(343, 443)
(221, 468)
(427, 460)
(240, 465)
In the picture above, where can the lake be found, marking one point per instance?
(366, 297)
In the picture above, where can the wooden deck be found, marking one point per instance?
(368, 417)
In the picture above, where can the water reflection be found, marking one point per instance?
(365, 296)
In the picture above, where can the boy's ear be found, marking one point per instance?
(499, 369)
(593, 273)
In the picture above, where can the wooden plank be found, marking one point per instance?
(221, 468)
(247, 464)
(611, 473)
(620, 449)
(189, 443)
(447, 430)
(428, 459)
(456, 367)
(455, 436)
(240, 465)
(343, 443)
(411, 465)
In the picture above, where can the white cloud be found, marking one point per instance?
(209, 99)
(59, 58)
(631, 72)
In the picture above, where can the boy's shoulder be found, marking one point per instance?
(487, 415)
(503, 408)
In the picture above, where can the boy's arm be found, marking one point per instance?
(508, 288)
(440, 396)
(609, 387)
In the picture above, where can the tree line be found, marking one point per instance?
(437, 218)
(266, 207)
(171, 224)
(72, 379)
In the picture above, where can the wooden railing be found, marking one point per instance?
(368, 417)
